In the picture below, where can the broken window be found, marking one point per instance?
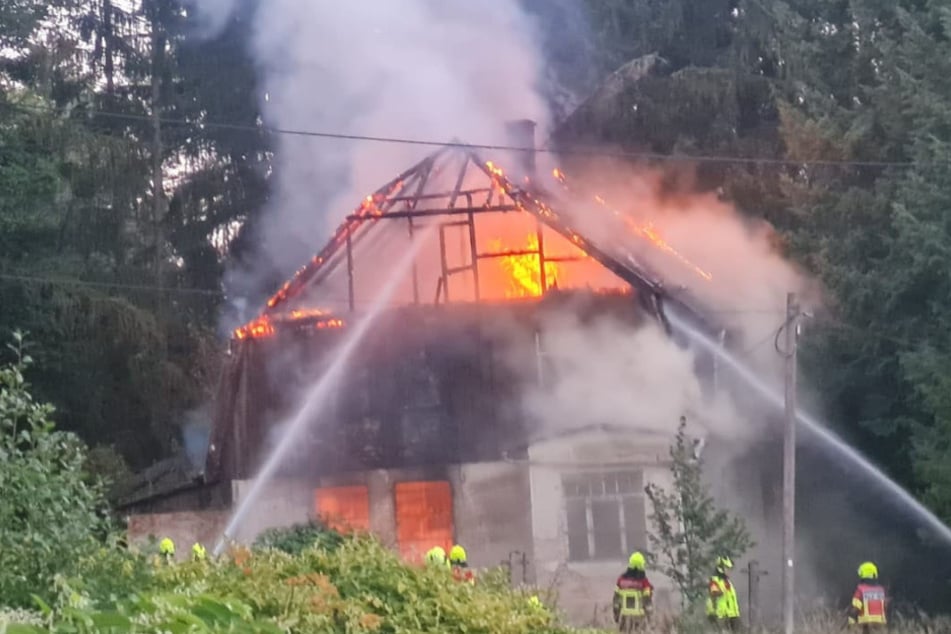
(344, 508)
(605, 514)
(423, 517)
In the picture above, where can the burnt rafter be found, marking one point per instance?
(414, 194)
(374, 205)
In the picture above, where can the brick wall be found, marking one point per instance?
(184, 528)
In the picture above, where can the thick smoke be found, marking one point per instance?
(413, 69)
(725, 265)
(634, 375)
(610, 373)
(196, 429)
(743, 277)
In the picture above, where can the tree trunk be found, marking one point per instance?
(108, 41)
(158, 21)
(158, 186)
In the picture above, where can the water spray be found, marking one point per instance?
(317, 396)
(776, 398)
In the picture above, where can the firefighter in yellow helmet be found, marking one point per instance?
(633, 595)
(436, 557)
(460, 565)
(167, 550)
(538, 607)
(723, 609)
(198, 552)
(868, 603)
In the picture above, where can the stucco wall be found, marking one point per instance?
(282, 502)
(585, 589)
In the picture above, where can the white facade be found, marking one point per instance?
(589, 512)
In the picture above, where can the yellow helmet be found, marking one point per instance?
(436, 555)
(167, 546)
(636, 562)
(868, 570)
(724, 564)
(457, 555)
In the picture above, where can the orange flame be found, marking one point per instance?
(495, 169)
(256, 329)
(523, 269)
(264, 326)
(647, 230)
(304, 313)
(498, 177)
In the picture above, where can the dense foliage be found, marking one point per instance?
(357, 587)
(690, 532)
(51, 513)
(298, 538)
(112, 231)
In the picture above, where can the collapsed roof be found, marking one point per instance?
(538, 228)
(474, 234)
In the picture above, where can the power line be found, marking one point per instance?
(563, 151)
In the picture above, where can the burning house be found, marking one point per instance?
(424, 438)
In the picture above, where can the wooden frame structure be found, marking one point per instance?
(414, 197)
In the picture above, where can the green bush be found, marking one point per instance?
(51, 515)
(296, 539)
(356, 587)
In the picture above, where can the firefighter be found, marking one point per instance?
(167, 550)
(538, 607)
(460, 567)
(723, 609)
(868, 603)
(633, 596)
(437, 557)
(198, 552)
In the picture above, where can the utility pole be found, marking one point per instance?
(789, 463)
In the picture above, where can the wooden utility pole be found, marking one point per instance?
(789, 463)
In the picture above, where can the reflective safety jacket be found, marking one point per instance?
(868, 605)
(463, 574)
(632, 597)
(722, 602)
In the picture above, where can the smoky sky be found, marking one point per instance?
(414, 69)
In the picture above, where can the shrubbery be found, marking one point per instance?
(51, 515)
(357, 587)
(297, 538)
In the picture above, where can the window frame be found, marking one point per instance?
(583, 485)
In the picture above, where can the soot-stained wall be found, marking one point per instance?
(426, 386)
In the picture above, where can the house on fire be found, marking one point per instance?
(424, 439)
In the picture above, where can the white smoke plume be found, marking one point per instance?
(607, 372)
(725, 262)
(413, 69)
